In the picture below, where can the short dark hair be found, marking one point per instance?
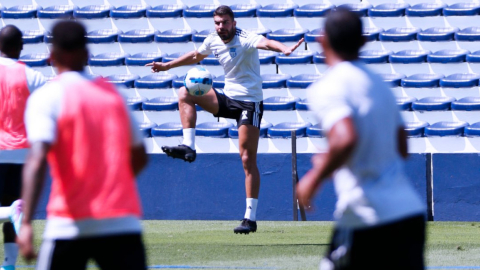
(344, 31)
(69, 36)
(224, 10)
(10, 39)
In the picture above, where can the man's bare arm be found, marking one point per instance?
(189, 58)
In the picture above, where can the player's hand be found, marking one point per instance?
(25, 242)
(289, 50)
(157, 66)
(305, 190)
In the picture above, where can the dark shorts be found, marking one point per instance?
(397, 245)
(10, 182)
(245, 112)
(109, 253)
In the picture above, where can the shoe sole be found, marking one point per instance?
(244, 232)
(169, 152)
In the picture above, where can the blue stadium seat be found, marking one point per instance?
(126, 80)
(165, 11)
(172, 56)
(219, 82)
(301, 105)
(108, 59)
(297, 57)
(399, 34)
(161, 104)
(433, 104)
(267, 57)
(20, 12)
(175, 35)
(284, 35)
(244, 10)
(210, 60)
(302, 80)
(200, 11)
(319, 58)
(202, 35)
(425, 10)
(280, 103)
(213, 129)
(178, 82)
(284, 130)
(445, 128)
(138, 35)
(141, 59)
(56, 12)
(155, 81)
(35, 59)
(135, 103)
(415, 129)
(312, 35)
(169, 129)
(405, 103)
(276, 10)
(448, 56)
(409, 56)
(314, 131)
(394, 79)
(313, 10)
(467, 104)
(462, 9)
(274, 80)
(372, 33)
(146, 128)
(32, 36)
(468, 34)
(264, 126)
(375, 56)
(259, 31)
(472, 130)
(361, 8)
(103, 36)
(92, 12)
(388, 10)
(473, 57)
(128, 12)
(437, 34)
(460, 80)
(422, 80)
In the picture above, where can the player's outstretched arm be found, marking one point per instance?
(273, 45)
(190, 58)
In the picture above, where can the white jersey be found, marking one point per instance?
(372, 187)
(239, 59)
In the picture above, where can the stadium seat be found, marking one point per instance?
(284, 130)
(472, 130)
(285, 35)
(219, 82)
(141, 59)
(314, 131)
(264, 126)
(398, 34)
(375, 56)
(301, 105)
(259, 31)
(103, 36)
(267, 57)
(422, 80)
(468, 34)
(372, 33)
(280, 103)
(92, 12)
(155, 81)
(199, 11)
(126, 80)
(175, 35)
(276, 10)
(56, 12)
(361, 8)
(302, 80)
(405, 103)
(165, 11)
(213, 129)
(297, 57)
(202, 35)
(460, 80)
(437, 34)
(179, 82)
(161, 104)
(108, 59)
(210, 60)
(473, 57)
(433, 104)
(415, 129)
(136, 36)
(462, 9)
(32, 36)
(146, 128)
(445, 128)
(466, 104)
(20, 12)
(172, 56)
(312, 35)
(128, 12)
(319, 58)
(47, 37)
(409, 56)
(388, 10)
(244, 10)
(425, 9)
(394, 79)
(135, 103)
(313, 10)
(35, 59)
(274, 80)
(168, 129)
(448, 56)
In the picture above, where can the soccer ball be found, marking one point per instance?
(198, 81)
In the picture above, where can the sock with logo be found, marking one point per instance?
(251, 211)
(189, 137)
(11, 254)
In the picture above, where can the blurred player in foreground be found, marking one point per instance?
(241, 99)
(83, 127)
(380, 218)
(17, 81)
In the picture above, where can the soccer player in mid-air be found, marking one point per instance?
(17, 81)
(380, 218)
(241, 98)
(84, 128)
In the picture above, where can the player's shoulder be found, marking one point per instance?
(244, 34)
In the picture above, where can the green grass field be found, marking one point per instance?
(279, 245)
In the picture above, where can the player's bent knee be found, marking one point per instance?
(183, 93)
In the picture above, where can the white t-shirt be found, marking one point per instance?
(372, 187)
(239, 59)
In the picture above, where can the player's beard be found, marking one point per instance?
(228, 34)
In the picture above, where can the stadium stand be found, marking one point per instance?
(135, 103)
(128, 12)
(146, 128)
(283, 130)
(466, 104)
(279, 103)
(153, 81)
(92, 12)
(169, 129)
(433, 104)
(405, 103)
(415, 129)
(161, 104)
(125, 80)
(35, 59)
(20, 12)
(394, 79)
(472, 130)
(445, 128)
(213, 129)
(460, 80)
(422, 80)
